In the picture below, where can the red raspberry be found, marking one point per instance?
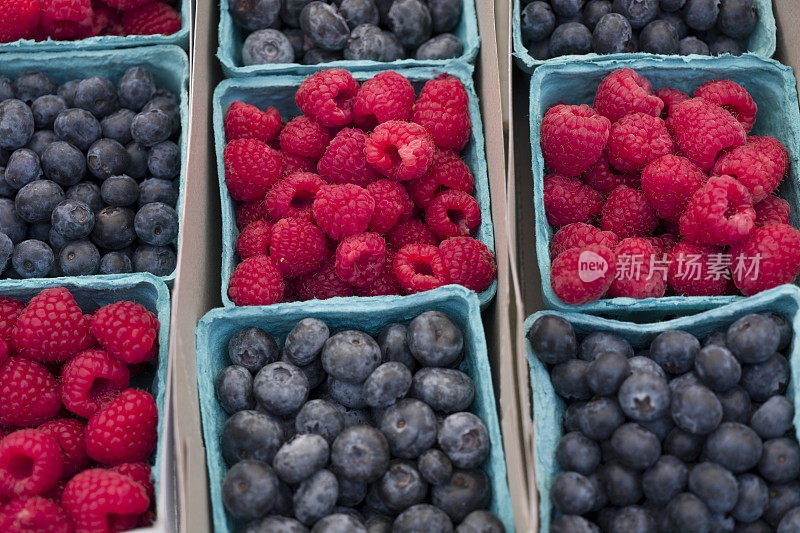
(400, 150)
(251, 168)
(29, 393)
(245, 121)
(66, 19)
(697, 270)
(628, 213)
(249, 212)
(719, 213)
(328, 96)
(392, 204)
(624, 92)
(580, 235)
(292, 163)
(772, 210)
(127, 330)
(573, 286)
(637, 274)
(447, 171)
(306, 137)
(567, 200)
(30, 463)
(34, 514)
(152, 19)
(605, 179)
(18, 19)
(443, 109)
(671, 97)
(323, 283)
(469, 262)
(662, 244)
(411, 231)
(759, 165)
(573, 138)
(104, 501)
(702, 130)
(103, 17)
(387, 96)
(733, 98)
(669, 182)
(420, 267)
(344, 160)
(254, 239)
(360, 258)
(256, 281)
(69, 432)
(140, 473)
(124, 5)
(636, 140)
(125, 430)
(769, 257)
(90, 380)
(298, 247)
(453, 213)
(385, 284)
(293, 196)
(10, 310)
(343, 210)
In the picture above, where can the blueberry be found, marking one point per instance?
(753, 338)
(389, 383)
(321, 418)
(137, 155)
(571, 416)
(79, 258)
(113, 228)
(569, 380)
(31, 85)
(701, 15)
(264, 47)
(281, 388)
(671, 6)
(774, 418)
(316, 56)
(644, 397)
(366, 42)
(434, 466)
(411, 22)
(632, 519)
(88, 193)
(444, 46)
(117, 126)
(734, 446)
(790, 521)
(96, 95)
(78, 127)
(752, 499)
(115, 263)
(136, 88)
(660, 426)
(300, 43)
(324, 25)
(339, 523)
(692, 45)
(735, 405)
(666, 478)
(763, 380)
(350, 395)
(675, 20)
(714, 485)
(622, 485)
(164, 160)
(360, 453)
(445, 390)
(373, 504)
(577, 453)
(6, 89)
(39, 141)
(63, 163)
(725, 45)
(122, 191)
(687, 512)
(638, 12)
(167, 103)
(570, 38)
(250, 435)
(537, 21)
(255, 15)
(45, 109)
(382, 524)
(402, 486)
(22, 168)
(6, 249)
(410, 428)
(659, 37)
(434, 340)
(350, 356)
(422, 517)
(275, 524)
(150, 127)
(782, 498)
(445, 14)
(249, 489)
(635, 446)
(157, 190)
(392, 47)
(36, 200)
(357, 12)
(599, 418)
(16, 124)
(572, 524)
(759, 526)
(233, 388)
(67, 92)
(572, 493)
(252, 348)
(155, 223)
(642, 364)
(290, 11)
(675, 351)
(481, 522)
(780, 461)
(393, 345)
(553, 339)
(694, 408)
(299, 458)
(465, 440)
(106, 158)
(717, 368)
(10, 223)
(612, 34)
(467, 491)
(606, 373)
(315, 497)
(784, 329)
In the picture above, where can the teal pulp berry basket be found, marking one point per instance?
(771, 84)
(232, 36)
(548, 408)
(761, 42)
(168, 64)
(278, 91)
(218, 326)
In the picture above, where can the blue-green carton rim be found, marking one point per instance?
(761, 42)
(107, 42)
(247, 90)
(231, 40)
(778, 116)
(168, 64)
(548, 407)
(217, 326)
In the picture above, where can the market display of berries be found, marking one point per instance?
(312, 32)
(364, 194)
(76, 439)
(652, 193)
(552, 28)
(686, 435)
(89, 176)
(340, 431)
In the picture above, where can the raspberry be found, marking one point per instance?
(90, 380)
(29, 393)
(249, 212)
(567, 200)
(256, 281)
(291, 163)
(343, 210)
(151, 19)
(669, 182)
(54, 494)
(298, 246)
(10, 309)
(628, 213)
(254, 239)
(411, 231)
(360, 258)
(140, 473)
(387, 96)
(443, 109)
(293, 196)
(759, 165)
(662, 244)
(692, 271)
(251, 168)
(702, 130)
(18, 20)
(245, 121)
(124, 5)
(66, 19)
(580, 235)
(69, 433)
(30, 463)
(125, 430)
(323, 283)
(51, 328)
(344, 160)
(447, 171)
(636, 140)
(567, 280)
(385, 284)
(733, 98)
(624, 92)
(127, 330)
(34, 514)
(605, 179)
(453, 213)
(769, 257)
(719, 213)
(103, 17)
(305, 137)
(104, 501)
(572, 138)
(671, 97)
(772, 210)
(469, 262)
(400, 150)
(420, 267)
(328, 96)
(392, 204)
(637, 274)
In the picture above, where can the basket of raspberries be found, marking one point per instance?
(364, 194)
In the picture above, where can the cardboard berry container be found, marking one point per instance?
(218, 326)
(761, 42)
(232, 37)
(168, 64)
(772, 86)
(278, 91)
